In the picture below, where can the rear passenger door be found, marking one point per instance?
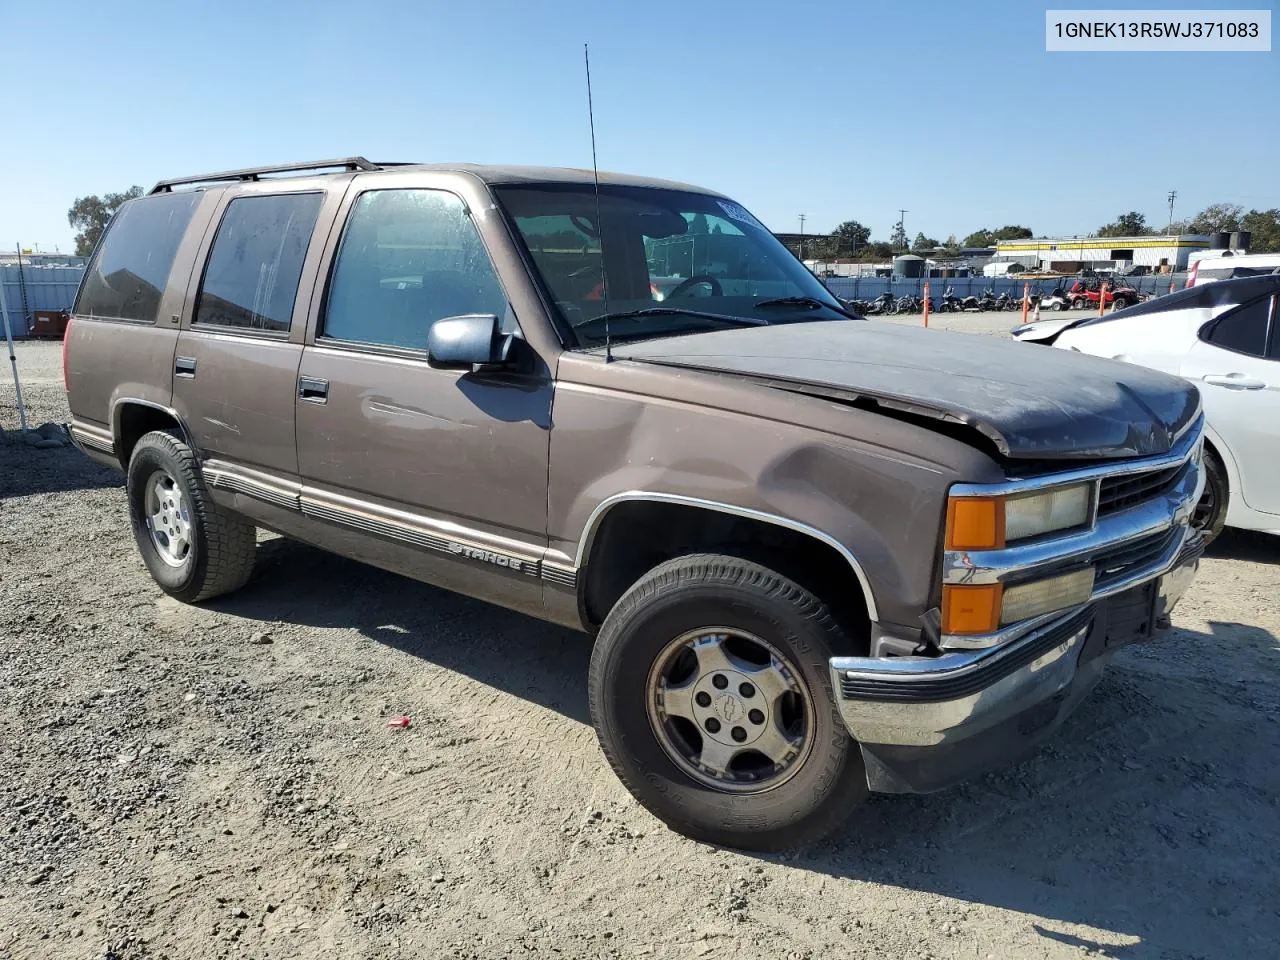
(1236, 365)
(449, 464)
(236, 363)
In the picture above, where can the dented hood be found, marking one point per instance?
(1031, 401)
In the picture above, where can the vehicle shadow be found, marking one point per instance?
(1247, 545)
(1134, 820)
(1150, 815)
(26, 470)
(509, 651)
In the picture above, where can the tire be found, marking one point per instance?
(1119, 303)
(206, 551)
(713, 597)
(1210, 516)
(1078, 304)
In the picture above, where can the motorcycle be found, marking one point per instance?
(950, 302)
(884, 304)
(987, 301)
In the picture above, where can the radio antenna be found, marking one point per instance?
(595, 177)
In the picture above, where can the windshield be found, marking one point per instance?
(677, 262)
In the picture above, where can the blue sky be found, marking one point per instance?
(834, 110)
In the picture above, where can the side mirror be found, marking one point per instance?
(475, 339)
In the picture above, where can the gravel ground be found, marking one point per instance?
(220, 781)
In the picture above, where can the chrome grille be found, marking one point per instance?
(1120, 561)
(1129, 490)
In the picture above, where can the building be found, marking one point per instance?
(1159, 254)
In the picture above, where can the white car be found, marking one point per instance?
(1225, 338)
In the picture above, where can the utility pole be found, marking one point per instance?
(802, 219)
(902, 230)
(1173, 195)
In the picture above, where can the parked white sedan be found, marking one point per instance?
(1225, 338)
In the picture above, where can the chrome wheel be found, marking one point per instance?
(730, 710)
(168, 518)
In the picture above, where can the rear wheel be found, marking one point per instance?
(711, 696)
(193, 548)
(1210, 515)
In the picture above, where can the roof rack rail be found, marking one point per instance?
(256, 173)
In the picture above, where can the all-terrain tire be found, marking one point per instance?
(222, 546)
(705, 590)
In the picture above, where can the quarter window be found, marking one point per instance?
(408, 258)
(131, 265)
(1244, 330)
(252, 277)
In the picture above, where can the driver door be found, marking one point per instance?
(442, 473)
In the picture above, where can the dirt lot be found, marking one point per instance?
(221, 782)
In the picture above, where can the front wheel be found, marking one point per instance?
(711, 695)
(1210, 515)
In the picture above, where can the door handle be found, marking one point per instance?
(1234, 381)
(313, 389)
(184, 367)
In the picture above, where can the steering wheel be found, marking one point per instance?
(685, 285)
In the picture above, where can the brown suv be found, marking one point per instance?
(819, 556)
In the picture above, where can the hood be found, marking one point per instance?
(1030, 401)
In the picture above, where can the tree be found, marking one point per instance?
(90, 216)
(1013, 232)
(1265, 227)
(879, 250)
(1131, 224)
(980, 238)
(898, 238)
(853, 233)
(1216, 218)
(921, 242)
(698, 225)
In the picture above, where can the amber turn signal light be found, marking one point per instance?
(971, 608)
(975, 523)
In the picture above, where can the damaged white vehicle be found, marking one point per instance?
(1225, 338)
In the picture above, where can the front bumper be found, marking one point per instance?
(925, 723)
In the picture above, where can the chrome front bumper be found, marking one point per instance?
(926, 722)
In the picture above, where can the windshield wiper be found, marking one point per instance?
(811, 303)
(677, 312)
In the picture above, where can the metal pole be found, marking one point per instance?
(13, 360)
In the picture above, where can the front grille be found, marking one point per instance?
(1120, 561)
(1120, 493)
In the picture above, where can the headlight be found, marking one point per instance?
(1035, 514)
(989, 523)
(1028, 600)
(976, 609)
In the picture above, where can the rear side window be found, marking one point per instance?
(131, 265)
(1243, 330)
(252, 276)
(408, 258)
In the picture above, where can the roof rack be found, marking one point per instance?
(256, 173)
